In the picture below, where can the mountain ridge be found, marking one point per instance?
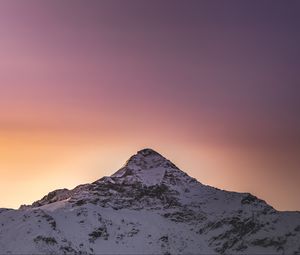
(149, 206)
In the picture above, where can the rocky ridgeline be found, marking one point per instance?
(149, 206)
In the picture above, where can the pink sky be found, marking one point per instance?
(85, 84)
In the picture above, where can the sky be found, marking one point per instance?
(212, 85)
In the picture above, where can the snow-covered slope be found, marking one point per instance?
(148, 207)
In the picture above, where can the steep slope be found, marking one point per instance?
(148, 207)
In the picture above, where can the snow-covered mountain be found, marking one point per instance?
(148, 207)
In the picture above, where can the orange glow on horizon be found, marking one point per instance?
(83, 86)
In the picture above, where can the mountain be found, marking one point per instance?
(149, 206)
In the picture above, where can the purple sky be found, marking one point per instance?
(225, 74)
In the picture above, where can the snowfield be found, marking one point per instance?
(148, 207)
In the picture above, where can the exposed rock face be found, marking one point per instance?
(149, 206)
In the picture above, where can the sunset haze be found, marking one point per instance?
(211, 85)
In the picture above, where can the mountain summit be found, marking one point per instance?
(149, 159)
(149, 168)
(149, 206)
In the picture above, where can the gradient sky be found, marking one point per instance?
(212, 85)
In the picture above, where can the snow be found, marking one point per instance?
(148, 207)
(54, 206)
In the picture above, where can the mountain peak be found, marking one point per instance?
(148, 207)
(148, 159)
(148, 152)
(146, 166)
(148, 155)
